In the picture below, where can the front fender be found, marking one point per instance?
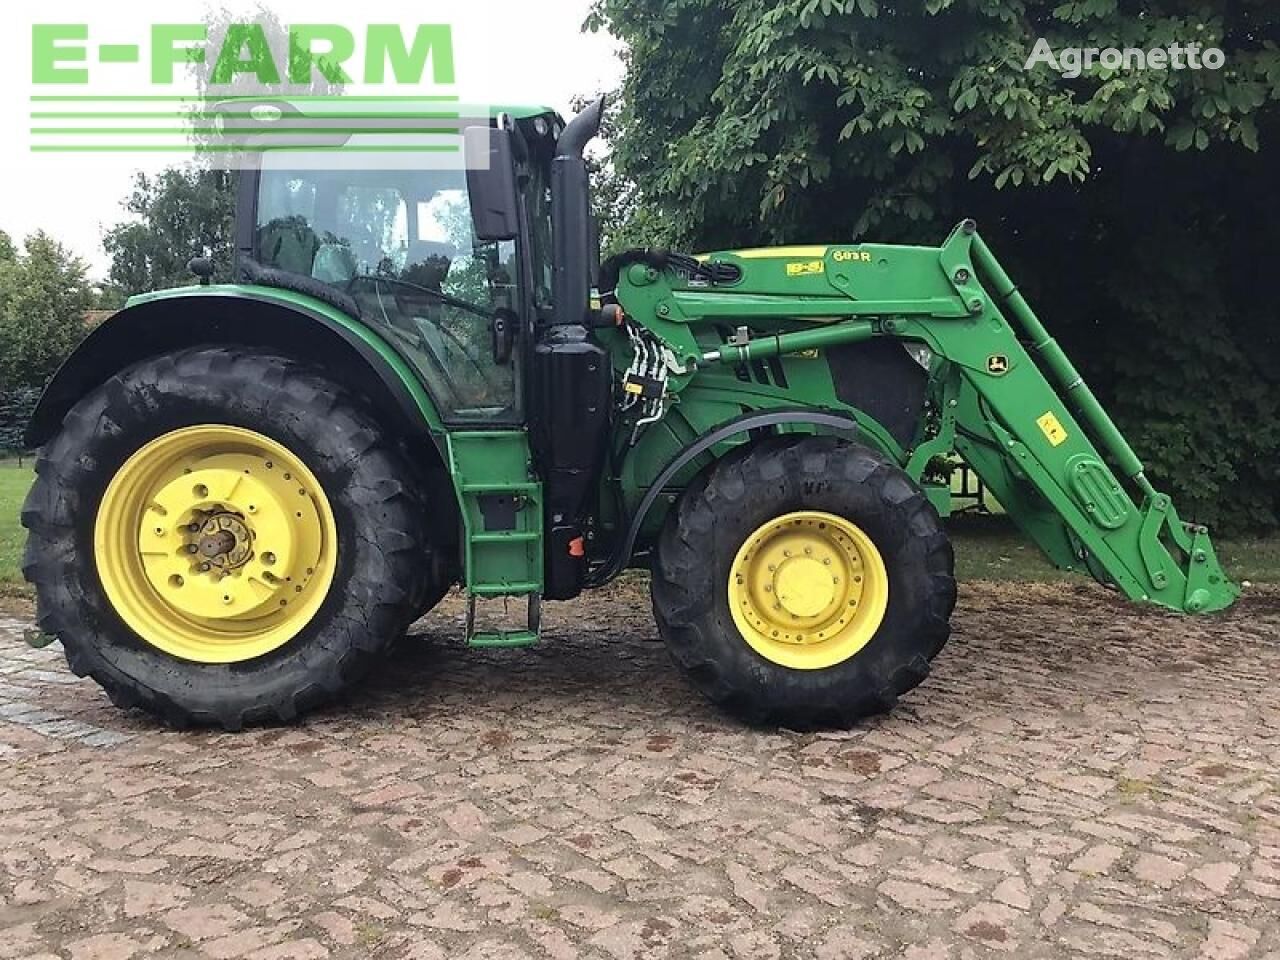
(291, 323)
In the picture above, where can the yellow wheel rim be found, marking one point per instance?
(808, 590)
(215, 544)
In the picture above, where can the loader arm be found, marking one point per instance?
(1005, 396)
(1032, 428)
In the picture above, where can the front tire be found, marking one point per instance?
(223, 538)
(806, 584)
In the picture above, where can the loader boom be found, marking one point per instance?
(1004, 394)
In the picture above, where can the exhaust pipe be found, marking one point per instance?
(571, 218)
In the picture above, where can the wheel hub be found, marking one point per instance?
(225, 541)
(803, 587)
(808, 590)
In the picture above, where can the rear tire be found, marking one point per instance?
(377, 566)
(717, 519)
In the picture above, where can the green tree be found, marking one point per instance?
(7, 251)
(176, 215)
(16, 407)
(1136, 208)
(43, 299)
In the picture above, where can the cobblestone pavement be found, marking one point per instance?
(1078, 778)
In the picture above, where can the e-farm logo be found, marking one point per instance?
(257, 87)
(60, 53)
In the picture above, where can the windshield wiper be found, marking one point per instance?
(437, 295)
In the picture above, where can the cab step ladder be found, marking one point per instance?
(502, 528)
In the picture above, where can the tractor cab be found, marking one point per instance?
(402, 249)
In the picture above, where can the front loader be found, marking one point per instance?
(246, 492)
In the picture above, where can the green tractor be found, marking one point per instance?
(247, 492)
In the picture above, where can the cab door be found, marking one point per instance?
(403, 245)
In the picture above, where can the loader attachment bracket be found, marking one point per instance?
(1207, 588)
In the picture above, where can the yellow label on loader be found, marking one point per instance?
(806, 268)
(1053, 429)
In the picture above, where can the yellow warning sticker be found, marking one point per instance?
(806, 268)
(1053, 429)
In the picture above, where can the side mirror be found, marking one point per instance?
(491, 183)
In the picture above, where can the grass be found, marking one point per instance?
(14, 481)
(987, 547)
(991, 548)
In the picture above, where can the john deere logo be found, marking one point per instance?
(997, 364)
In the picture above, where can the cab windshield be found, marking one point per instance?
(401, 244)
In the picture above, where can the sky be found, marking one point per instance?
(506, 51)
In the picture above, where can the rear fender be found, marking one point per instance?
(295, 325)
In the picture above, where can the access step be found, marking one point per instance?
(504, 589)
(500, 641)
(505, 635)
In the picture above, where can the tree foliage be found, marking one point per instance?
(1136, 208)
(16, 407)
(175, 215)
(43, 299)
